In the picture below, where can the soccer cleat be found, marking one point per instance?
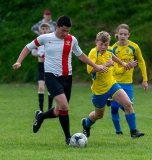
(68, 141)
(119, 132)
(86, 131)
(135, 134)
(37, 122)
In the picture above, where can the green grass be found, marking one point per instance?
(18, 142)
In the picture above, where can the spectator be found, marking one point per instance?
(47, 18)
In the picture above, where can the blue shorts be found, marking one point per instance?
(129, 90)
(99, 101)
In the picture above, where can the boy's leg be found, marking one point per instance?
(41, 85)
(122, 98)
(50, 101)
(41, 100)
(88, 122)
(40, 116)
(116, 119)
(41, 94)
(60, 89)
(64, 120)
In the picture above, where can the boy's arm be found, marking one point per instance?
(142, 66)
(109, 63)
(21, 57)
(114, 58)
(35, 54)
(96, 68)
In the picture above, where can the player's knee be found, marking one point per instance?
(128, 105)
(99, 116)
(63, 106)
(41, 89)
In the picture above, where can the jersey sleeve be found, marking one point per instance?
(41, 51)
(141, 63)
(76, 49)
(35, 50)
(93, 57)
(36, 42)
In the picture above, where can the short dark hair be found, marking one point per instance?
(64, 21)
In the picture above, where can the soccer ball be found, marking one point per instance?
(78, 140)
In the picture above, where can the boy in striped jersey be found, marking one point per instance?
(59, 47)
(39, 52)
(127, 51)
(105, 86)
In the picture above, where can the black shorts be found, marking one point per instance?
(40, 71)
(58, 85)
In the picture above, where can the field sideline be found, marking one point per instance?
(17, 141)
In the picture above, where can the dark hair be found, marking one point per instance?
(64, 21)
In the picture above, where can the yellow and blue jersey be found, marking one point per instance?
(102, 81)
(125, 54)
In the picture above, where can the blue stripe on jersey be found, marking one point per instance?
(110, 50)
(114, 50)
(133, 50)
(94, 76)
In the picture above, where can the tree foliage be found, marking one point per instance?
(88, 17)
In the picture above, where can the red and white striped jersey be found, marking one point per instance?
(58, 52)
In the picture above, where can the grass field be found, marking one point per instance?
(17, 141)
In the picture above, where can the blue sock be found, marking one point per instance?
(131, 120)
(89, 123)
(116, 122)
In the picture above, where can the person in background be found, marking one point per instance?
(47, 18)
(105, 86)
(39, 52)
(58, 46)
(127, 51)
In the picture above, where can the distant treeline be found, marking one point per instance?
(88, 17)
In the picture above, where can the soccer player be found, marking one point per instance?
(39, 52)
(105, 86)
(127, 51)
(58, 46)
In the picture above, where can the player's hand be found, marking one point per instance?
(102, 68)
(126, 66)
(132, 63)
(109, 63)
(145, 86)
(16, 65)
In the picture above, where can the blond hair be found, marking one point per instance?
(103, 36)
(45, 25)
(125, 26)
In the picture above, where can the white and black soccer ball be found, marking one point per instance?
(79, 140)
